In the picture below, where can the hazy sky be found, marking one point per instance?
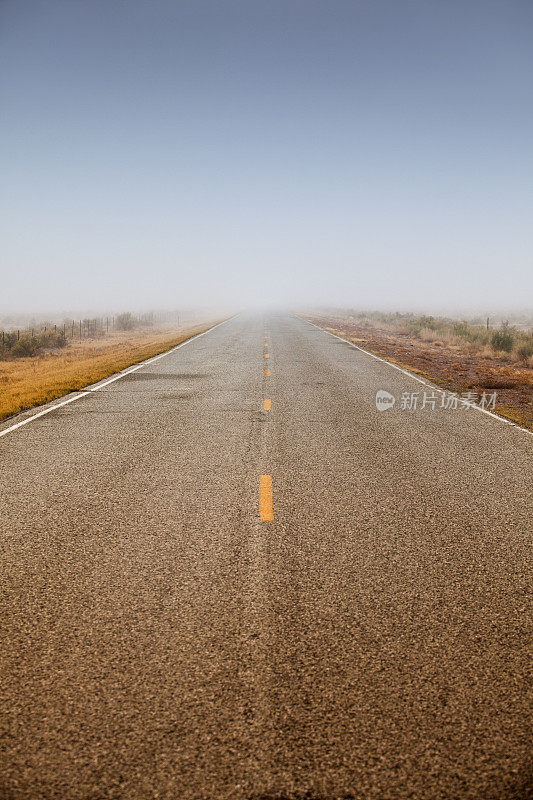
(364, 152)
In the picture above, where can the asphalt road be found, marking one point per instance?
(162, 637)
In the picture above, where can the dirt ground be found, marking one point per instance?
(452, 367)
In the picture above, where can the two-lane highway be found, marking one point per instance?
(227, 575)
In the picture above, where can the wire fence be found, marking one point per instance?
(32, 339)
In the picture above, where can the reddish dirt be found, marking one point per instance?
(452, 367)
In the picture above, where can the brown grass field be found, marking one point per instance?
(453, 363)
(29, 382)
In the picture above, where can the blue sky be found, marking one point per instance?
(159, 153)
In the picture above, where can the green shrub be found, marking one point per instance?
(428, 322)
(525, 350)
(50, 339)
(22, 348)
(503, 339)
(475, 334)
(14, 346)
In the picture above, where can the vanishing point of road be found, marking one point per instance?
(227, 576)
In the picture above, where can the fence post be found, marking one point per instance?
(18, 335)
(80, 330)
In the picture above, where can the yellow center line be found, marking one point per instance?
(268, 404)
(266, 510)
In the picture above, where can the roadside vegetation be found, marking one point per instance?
(12, 345)
(459, 355)
(38, 338)
(38, 368)
(508, 342)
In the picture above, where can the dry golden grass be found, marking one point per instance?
(29, 382)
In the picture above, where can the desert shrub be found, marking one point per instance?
(428, 322)
(22, 348)
(461, 329)
(125, 321)
(49, 339)
(9, 340)
(475, 334)
(25, 345)
(525, 350)
(413, 326)
(503, 339)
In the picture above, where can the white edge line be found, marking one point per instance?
(415, 377)
(105, 382)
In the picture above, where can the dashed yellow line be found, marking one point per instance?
(266, 506)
